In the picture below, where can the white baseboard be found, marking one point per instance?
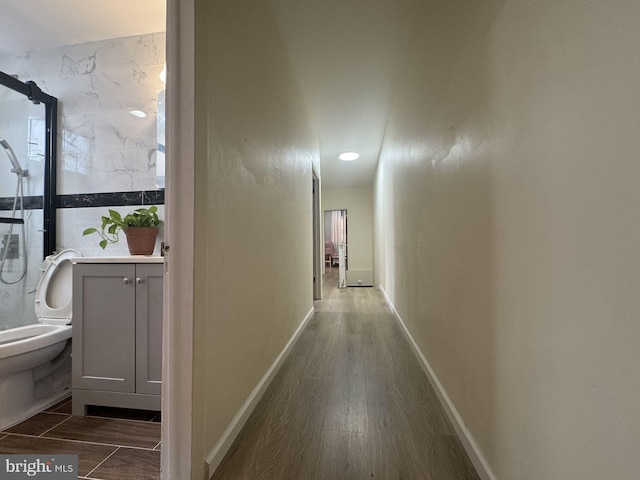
(360, 278)
(469, 444)
(222, 447)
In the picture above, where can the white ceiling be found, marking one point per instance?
(35, 24)
(346, 54)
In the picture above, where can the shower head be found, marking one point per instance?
(12, 156)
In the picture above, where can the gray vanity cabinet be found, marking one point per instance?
(117, 335)
(149, 283)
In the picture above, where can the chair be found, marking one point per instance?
(330, 254)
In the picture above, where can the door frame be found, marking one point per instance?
(178, 319)
(318, 251)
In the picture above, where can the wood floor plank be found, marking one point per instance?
(350, 401)
(447, 459)
(347, 405)
(277, 436)
(343, 456)
(395, 454)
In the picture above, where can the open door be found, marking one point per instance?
(335, 247)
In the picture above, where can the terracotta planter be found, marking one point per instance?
(141, 240)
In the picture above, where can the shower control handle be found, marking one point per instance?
(126, 281)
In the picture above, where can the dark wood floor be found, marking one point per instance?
(350, 402)
(111, 443)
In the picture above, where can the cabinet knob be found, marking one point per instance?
(126, 281)
(139, 281)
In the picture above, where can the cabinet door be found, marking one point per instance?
(104, 327)
(149, 285)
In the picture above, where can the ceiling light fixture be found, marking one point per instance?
(138, 113)
(349, 156)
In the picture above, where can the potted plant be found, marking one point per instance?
(139, 226)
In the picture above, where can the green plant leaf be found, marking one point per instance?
(142, 217)
(111, 225)
(115, 216)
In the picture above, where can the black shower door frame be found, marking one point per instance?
(30, 90)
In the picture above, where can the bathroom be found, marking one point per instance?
(109, 99)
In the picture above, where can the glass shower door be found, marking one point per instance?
(22, 170)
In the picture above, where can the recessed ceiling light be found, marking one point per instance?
(138, 113)
(348, 156)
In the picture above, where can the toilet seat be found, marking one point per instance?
(54, 292)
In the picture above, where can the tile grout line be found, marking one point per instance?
(56, 425)
(58, 411)
(80, 441)
(68, 402)
(54, 410)
(106, 458)
(132, 447)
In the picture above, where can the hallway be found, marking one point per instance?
(350, 402)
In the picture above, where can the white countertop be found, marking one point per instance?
(127, 259)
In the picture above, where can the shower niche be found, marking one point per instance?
(28, 132)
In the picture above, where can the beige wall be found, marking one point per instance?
(359, 205)
(507, 211)
(253, 269)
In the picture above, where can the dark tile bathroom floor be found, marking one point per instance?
(111, 443)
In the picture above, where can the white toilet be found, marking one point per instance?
(35, 366)
(53, 295)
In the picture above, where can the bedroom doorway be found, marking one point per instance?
(335, 239)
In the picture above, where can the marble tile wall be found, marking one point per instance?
(75, 220)
(102, 148)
